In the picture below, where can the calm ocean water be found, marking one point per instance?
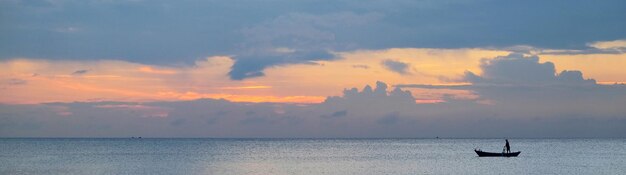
(309, 156)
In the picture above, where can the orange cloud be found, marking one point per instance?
(606, 68)
(148, 69)
(111, 80)
(247, 87)
(243, 98)
(616, 44)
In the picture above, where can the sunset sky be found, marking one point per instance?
(451, 68)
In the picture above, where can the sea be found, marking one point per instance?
(307, 156)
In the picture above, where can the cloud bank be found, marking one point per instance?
(260, 35)
(512, 102)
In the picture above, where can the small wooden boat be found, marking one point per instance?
(488, 154)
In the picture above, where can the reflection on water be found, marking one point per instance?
(309, 156)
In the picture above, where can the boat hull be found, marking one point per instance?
(488, 154)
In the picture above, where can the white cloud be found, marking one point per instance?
(615, 44)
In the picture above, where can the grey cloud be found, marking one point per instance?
(519, 70)
(428, 86)
(378, 97)
(221, 113)
(293, 39)
(254, 120)
(514, 68)
(520, 82)
(340, 113)
(215, 118)
(235, 119)
(80, 72)
(250, 113)
(178, 122)
(591, 48)
(389, 119)
(543, 103)
(337, 114)
(250, 66)
(212, 120)
(396, 66)
(360, 66)
(372, 112)
(16, 81)
(261, 34)
(573, 77)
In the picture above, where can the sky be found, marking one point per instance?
(315, 69)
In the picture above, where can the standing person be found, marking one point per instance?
(508, 147)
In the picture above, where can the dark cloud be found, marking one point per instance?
(261, 34)
(80, 72)
(396, 66)
(253, 66)
(248, 68)
(293, 39)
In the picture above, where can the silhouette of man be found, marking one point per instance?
(507, 146)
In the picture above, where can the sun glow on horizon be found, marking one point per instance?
(31, 81)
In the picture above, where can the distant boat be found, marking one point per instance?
(502, 154)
